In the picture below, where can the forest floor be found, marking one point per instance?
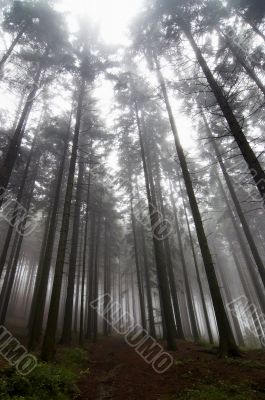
(117, 372)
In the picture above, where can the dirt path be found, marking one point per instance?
(117, 372)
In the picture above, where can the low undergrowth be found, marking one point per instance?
(216, 392)
(48, 381)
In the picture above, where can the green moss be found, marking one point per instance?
(46, 381)
(246, 363)
(211, 392)
(73, 358)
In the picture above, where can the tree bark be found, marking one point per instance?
(248, 154)
(137, 261)
(14, 216)
(207, 320)
(81, 330)
(227, 343)
(244, 63)
(41, 285)
(249, 263)
(10, 275)
(95, 286)
(161, 267)
(90, 276)
(249, 237)
(68, 314)
(48, 347)
(107, 288)
(193, 321)
(11, 48)
(14, 145)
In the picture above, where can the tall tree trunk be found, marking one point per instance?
(42, 279)
(249, 263)
(120, 296)
(147, 278)
(106, 274)
(245, 285)
(207, 320)
(240, 213)
(251, 159)
(227, 341)
(10, 275)
(78, 275)
(95, 286)
(167, 249)
(15, 212)
(237, 53)
(229, 299)
(11, 48)
(81, 330)
(90, 275)
(252, 24)
(68, 315)
(161, 267)
(191, 310)
(39, 267)
(14, 145)
(48, 347)
(137, 261)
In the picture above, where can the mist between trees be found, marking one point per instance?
(108, 189)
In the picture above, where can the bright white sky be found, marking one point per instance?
(114, 18)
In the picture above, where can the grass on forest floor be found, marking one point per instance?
(219, 392)
(48, 381)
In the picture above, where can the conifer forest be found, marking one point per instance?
(132, 199)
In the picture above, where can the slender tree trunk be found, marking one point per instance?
(251, 159)
(9, 278)
(14, 145)
(68, 315)
(249, 237)
(39, 267)
(147, 278)
(42, 279)
(81, 331)
(252, 24)
(167, 249)
(194, 327)
(16, 210)
(172, 281)
(48, 347)
(227, 342)
(28, 295)
(237, 53)
(229, 300)
(19, 109)
(120, 296)
(137, 261)
(90, 276)
(106, 275)
(207, 320)
(244, 282)
(249, 263)
(77, 280)
(11, 48)
(95, 286)
(159, 253)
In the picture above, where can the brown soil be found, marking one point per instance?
(117, 372)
